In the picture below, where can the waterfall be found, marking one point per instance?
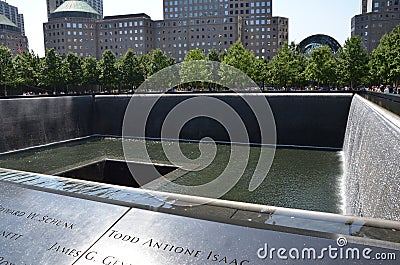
(372, 161)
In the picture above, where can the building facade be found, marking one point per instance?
(187, 24)
(120, 33)
(72, 27)
(52, 5)
(11, 12)
(207, 24)
(11, 36)
(377, 18)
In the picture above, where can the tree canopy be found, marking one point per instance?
(351, 66)
(352, 62)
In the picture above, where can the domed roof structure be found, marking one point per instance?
(314, 41)
(5, 23)
(75, 9)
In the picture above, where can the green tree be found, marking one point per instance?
(108, 70)
(240, 58)
(195, 55)
(352, 62)
(287, 67)
(222, 55)
(191, 71)
(301, 64)
(27, 68)
(155, 61)
(6, 68)
(91, 72)
(321, 66)
(130, 71)
(51, 70)
(259, 74)
(213, 55)
(72, 66)
(385, 59)
(378, 67)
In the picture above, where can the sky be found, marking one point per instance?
(306, 17)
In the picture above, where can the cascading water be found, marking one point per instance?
(372, 167)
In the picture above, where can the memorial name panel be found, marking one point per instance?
(44, 228)
(144, 237)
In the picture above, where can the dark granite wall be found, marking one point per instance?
(301, 119)
(28, 122)
(390, 102)
(109, 115)
(311, 120)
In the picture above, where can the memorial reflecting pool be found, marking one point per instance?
(301, 179)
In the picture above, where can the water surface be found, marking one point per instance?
(301, 179)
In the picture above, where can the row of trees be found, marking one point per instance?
(291, 68)
(351, 66)
(54, 73)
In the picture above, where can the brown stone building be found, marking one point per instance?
(120, 33)
(52, 5)
(188, 24)
(11, 36)
(72, 27)
(377, 19)
(11, 12)
(207, 24)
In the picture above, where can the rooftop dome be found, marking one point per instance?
(75, 9)
(315, 41)
(5, 23)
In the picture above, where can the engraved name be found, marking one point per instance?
(50, 220)
(4, 261)
(65, 250)
(172, 248)
(38, 217)
(109, 260)
(151, 243)
(220, 259)
(56, 222)
(16, 213)
(210, 256)
(10, 235)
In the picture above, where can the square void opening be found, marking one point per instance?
(117, 172)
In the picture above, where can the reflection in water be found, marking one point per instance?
(301, 179)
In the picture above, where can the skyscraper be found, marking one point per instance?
(187, 25)
(52, 5)
(207, 24)
(376, 19)
(11, 12)
(72, 28)
(366, 6)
